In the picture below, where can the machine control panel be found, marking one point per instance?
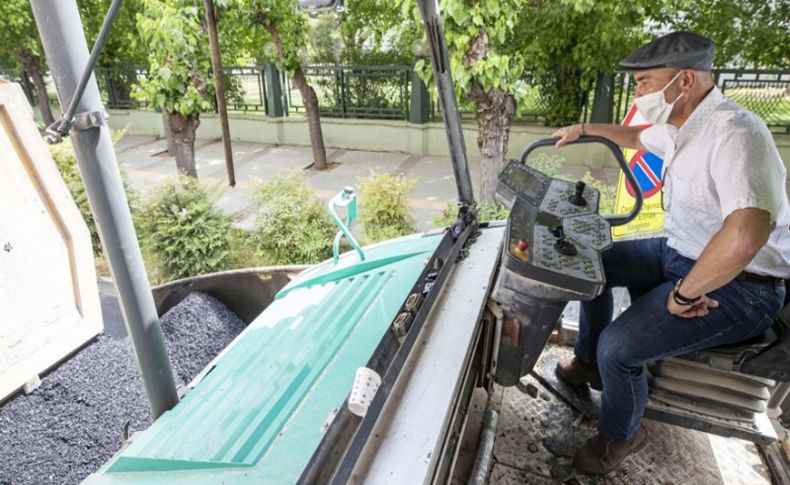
(555, 235)
(552, 254)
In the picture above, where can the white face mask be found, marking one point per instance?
(654, 107)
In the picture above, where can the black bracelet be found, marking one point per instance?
(683, 300)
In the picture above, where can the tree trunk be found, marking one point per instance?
(171, 146)
(495, 111)
(32, 65)
(183, 130)
(310, 102)
(313, 119)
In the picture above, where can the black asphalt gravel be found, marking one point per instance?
(72, 424)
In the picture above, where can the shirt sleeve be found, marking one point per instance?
(748, 173)
(655, 139)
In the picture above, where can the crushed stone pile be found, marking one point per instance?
(71, 425)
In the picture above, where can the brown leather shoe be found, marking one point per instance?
(578, 374)
(599, 456)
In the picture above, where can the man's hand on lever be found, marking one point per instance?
(567, 134)
(625, 136)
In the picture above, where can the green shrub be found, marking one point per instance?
(383, 211)
(182, 231)
(608, 193)
(548, 163)
(66, 162)
(292, 225)
(486, 211)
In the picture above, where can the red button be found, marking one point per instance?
(522, 245)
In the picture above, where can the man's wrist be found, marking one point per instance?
(682, 299)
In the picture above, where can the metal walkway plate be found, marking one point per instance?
(537, 436)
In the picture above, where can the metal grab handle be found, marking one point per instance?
(347, 199)
(618, 155)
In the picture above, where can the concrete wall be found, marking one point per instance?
(373, 135)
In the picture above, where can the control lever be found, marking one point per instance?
(614, 220)
(577, 198)
(561, 242)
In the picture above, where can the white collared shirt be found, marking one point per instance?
(723, 158)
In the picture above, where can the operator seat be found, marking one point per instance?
(766, 355)
(731, 382)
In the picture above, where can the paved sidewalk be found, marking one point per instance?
(140, 157)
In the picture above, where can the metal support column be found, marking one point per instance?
(274, 91)
(603, 100)
(420, 103)
(62, 36)
(447, 101)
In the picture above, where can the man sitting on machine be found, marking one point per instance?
(717, 278)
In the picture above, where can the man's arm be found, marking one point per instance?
(625, 136)
(730, 250)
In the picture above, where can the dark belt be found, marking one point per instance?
(758, 278)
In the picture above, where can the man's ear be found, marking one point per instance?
(688, 80)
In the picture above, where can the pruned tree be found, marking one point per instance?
(499, 49)
(20, 43)
(276, 31)
(487, 69)
(179, 62)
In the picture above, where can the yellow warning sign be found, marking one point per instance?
(648, 169)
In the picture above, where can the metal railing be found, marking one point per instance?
(532, 111)
(381, 92)
(384, 92)
(245, 88)
(115, 86)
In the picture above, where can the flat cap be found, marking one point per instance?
(685, 50)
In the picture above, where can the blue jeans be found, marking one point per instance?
(646, 331)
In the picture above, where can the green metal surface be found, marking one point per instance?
(257, 415)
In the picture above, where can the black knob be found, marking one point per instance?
(558, 232)
(561, 244)
(577, 198)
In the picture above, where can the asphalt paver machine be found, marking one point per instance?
(430, 317)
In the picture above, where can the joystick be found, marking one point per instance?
(577, 198)
(561, 243)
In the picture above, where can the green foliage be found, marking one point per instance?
(18, 34)
(182, 231)
(747, 33)
(378, 32)
(566, 43)
(178, 56)
(124, 47)
(486, 211)
(66, 162)
(269, 30)
(483, 56)
(548, 163)
(292, 225)
(384, 213)
(608, 193)
(325, 44)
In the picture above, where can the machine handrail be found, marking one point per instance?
(346, 199)
(614, 220)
